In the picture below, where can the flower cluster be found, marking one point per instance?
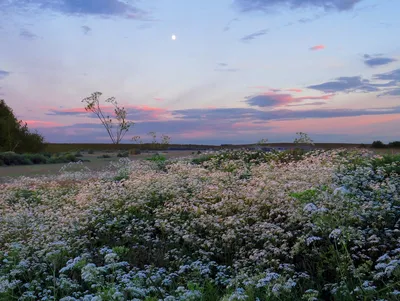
(239, 225)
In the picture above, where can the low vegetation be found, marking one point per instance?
(12, 158)
(234, 225)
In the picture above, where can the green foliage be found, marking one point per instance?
(78, 154)
(90, 151)
(12, 158)
(390, 163)
(157, 158)
(15, 136)
(104, 156)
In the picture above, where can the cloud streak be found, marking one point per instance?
(271, 99)
(317, 47)
(267, 5)
(80, 7)
(374, 61)
(86, 29)
(254, 35)
(27, 34)
(4, 74)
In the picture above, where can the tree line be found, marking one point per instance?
(15, 135)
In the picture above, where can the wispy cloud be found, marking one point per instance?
(266, 5)
(271, 99)
(254, 35)
(86, 29)
(229, 24)
(80, 8)
(393, 75)
(27, 34)
(317, 47)
(133, 112)
(377, 60)
(223, 67)
(315, 103)
(4, 73)
(350, 84)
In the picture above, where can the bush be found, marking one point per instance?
(46, 154)
(36, 158)
(59, 158)
(390, 163)
(78, 154)
(394, 144)
(104, 156)
(90, 152)
(378, 144)
(11, 158)
(123, 155)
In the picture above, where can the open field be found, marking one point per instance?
(66, 147)
(228, 226)
(95, 164)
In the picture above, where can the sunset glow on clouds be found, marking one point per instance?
(236, 74)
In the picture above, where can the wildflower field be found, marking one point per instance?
(232, 225)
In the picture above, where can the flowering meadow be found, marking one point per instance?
(232, 225)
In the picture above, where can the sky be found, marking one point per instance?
(237, 72)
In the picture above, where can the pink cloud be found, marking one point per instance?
(318, 47)
(42, 124)
(294, 90)
(348, 125)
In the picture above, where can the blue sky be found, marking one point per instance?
(239, 70)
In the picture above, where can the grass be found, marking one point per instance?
(95, 164)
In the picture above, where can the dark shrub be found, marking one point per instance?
(123, 154)
(394, 144)
(36, 158)
(78, 154)
(11, 158)
(90, 152)
(104, 156)
(378, 144)
(391, 163)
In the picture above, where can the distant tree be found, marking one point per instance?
(394, 144)
(378, 144)
(93, 105)
(15, 135)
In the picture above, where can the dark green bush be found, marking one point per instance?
(104, 156)
(90, 152)
(36, 158)
(394, 144)
(378, 144)
(390, 163)
(11, 158)
(78, 154)
(123, 154)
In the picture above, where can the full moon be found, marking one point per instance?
(173, 37)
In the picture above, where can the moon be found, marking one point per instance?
(173, 37)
